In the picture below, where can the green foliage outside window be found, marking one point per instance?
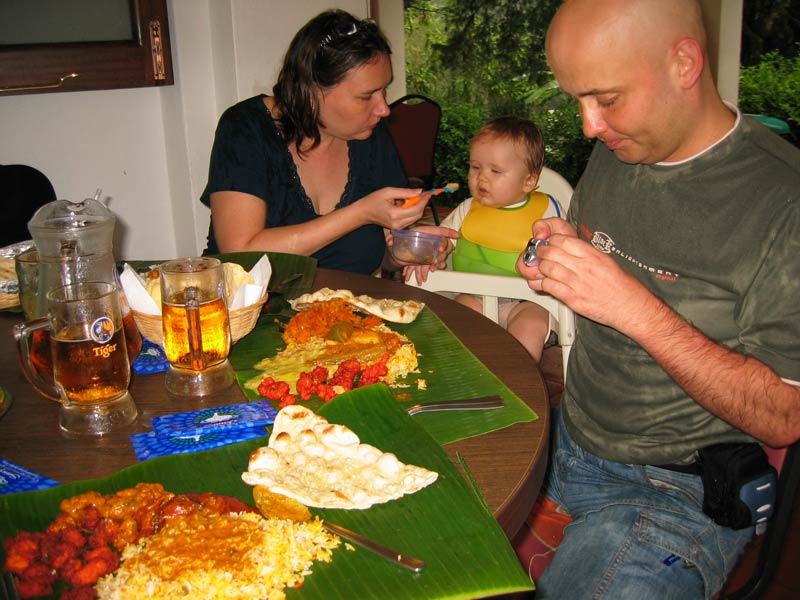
(772, 88)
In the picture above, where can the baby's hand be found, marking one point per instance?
(445, 248)
(419, 271)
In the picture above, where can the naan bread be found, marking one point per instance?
(305, 301)
(394, 311)
(325, 465)
(235, 277)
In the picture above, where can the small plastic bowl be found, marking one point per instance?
(416, 247)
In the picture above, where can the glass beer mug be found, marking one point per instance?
(91, 372)
(197, 336)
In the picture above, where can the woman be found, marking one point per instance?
(310, 170)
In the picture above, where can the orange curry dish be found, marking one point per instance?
(318, 321)
(330, 349)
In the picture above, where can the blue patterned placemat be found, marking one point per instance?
(149, 445)
(221, 418)
(14, 478)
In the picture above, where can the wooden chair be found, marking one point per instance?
(413, 124)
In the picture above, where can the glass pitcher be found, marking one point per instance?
(75, 245)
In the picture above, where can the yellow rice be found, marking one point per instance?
(235, 556)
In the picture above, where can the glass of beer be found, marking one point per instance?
(197, 336)
(91, 372)
(26, 265)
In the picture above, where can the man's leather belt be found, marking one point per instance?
(690, 468)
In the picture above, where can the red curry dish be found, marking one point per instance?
(85, 540)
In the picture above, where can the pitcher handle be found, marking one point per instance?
(22, 334)
(191, 298)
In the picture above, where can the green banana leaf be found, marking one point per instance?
(449, 369)
(445, 524)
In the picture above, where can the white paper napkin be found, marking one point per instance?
(250, 293)
(136, 293)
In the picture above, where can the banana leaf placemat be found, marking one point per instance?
(448, 368)
(445, 524)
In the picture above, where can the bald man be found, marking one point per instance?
(680, 258)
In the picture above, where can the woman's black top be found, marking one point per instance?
(250, 156)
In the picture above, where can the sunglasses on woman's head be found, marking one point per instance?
(345, 31)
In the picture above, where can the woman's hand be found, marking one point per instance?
(384, 207)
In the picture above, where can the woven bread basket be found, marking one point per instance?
(242, 320)
(8, 301)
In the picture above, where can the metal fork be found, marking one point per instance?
(483, 403)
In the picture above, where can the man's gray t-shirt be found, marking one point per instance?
(718, 239)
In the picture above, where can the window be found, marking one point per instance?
(57, 46)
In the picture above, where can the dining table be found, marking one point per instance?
(507, 465)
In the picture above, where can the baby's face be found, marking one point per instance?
(498, 173)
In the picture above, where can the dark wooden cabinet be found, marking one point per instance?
(142, 59)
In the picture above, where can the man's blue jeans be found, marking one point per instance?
(639, 532)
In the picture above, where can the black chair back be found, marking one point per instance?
(23, 190)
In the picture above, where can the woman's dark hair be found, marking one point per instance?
(319, 57)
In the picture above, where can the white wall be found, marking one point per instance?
(148, 148)
(390, 15)
(724, 25)
(112, 140)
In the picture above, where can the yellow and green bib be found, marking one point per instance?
(493, 238)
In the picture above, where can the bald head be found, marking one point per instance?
(639, 28)
(638, 69)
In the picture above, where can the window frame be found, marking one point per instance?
(48, 68)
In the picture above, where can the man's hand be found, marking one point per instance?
(590, 282)
(735, 387)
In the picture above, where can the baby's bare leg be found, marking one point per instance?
(529, 323)
(471, 301)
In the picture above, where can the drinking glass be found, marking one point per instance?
(91, 372)
(197, 336)
(27, 268)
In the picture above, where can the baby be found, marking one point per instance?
(506, 158)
